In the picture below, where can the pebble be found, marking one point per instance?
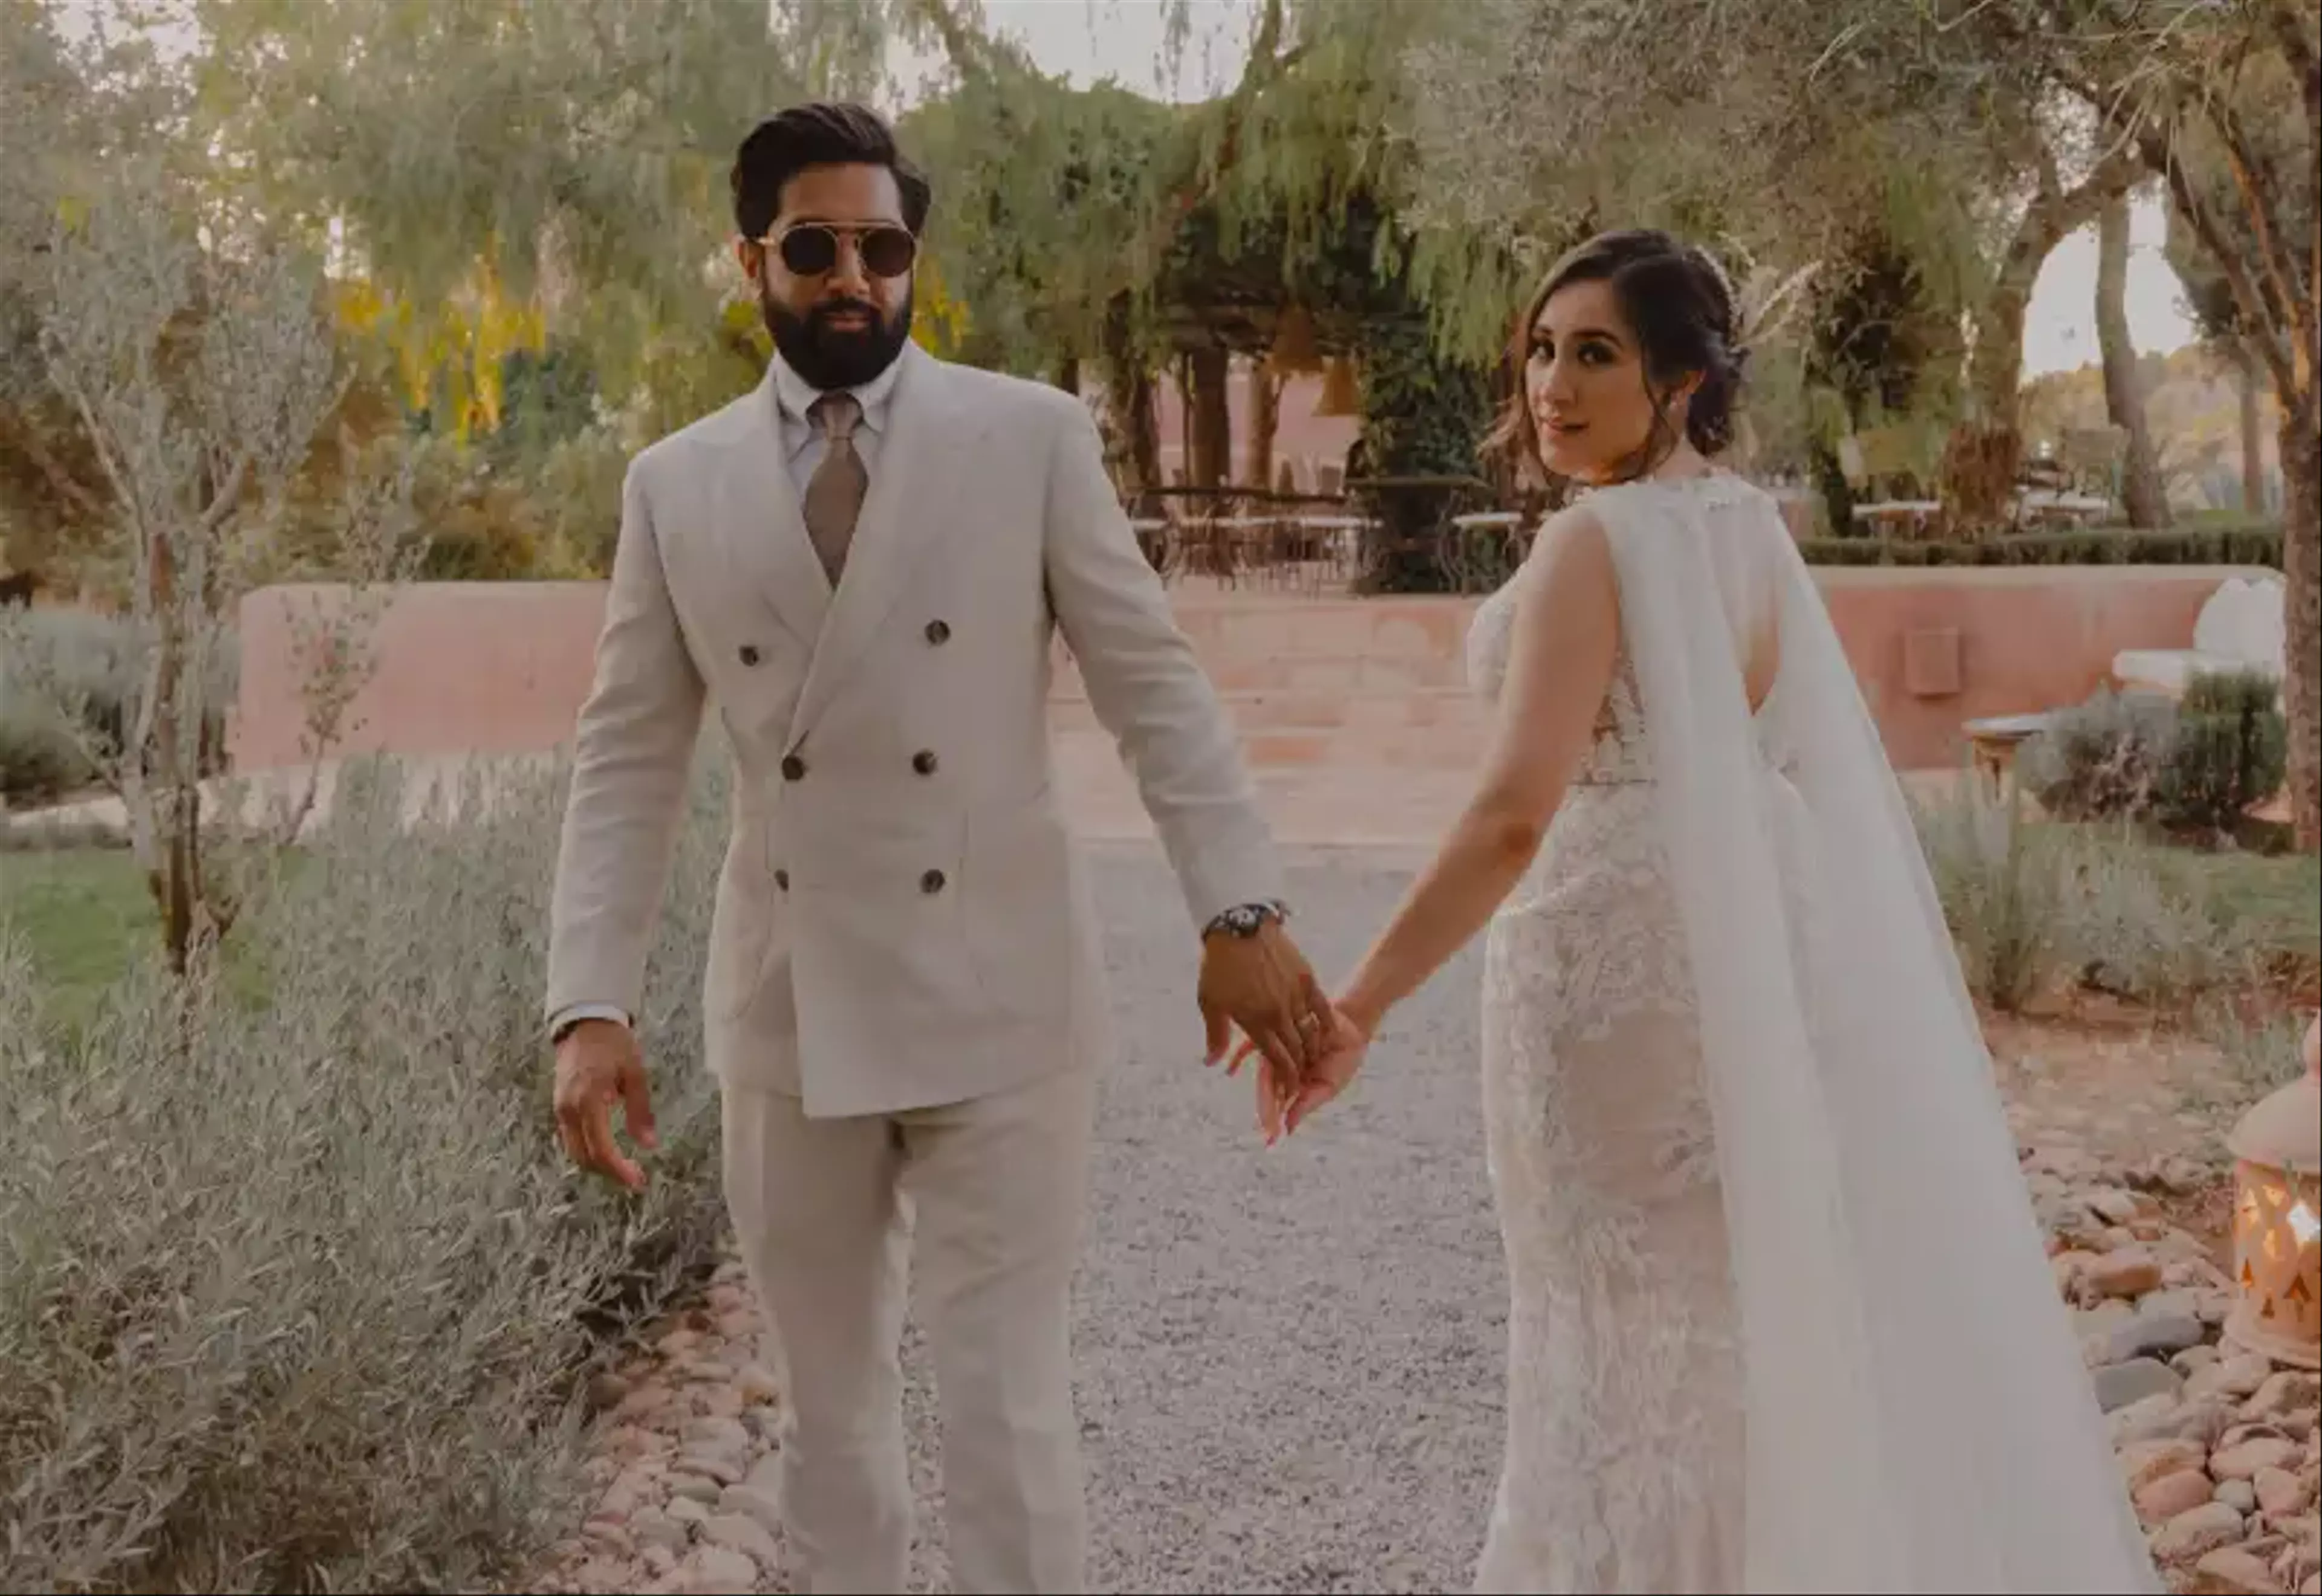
(752, 1502)
(718, 1466)
(651, 1528)
(2125, 1272)
(2144, 1461)
(2285, 1392)
(699, 1488)
(743, 1534)
(2244, 1461)
(2239, 1377)
(2197, 1530)
(2119, 1384)
(2214, 1444)
(2232, 1571)
(2280, 1493)
(2171, 1495)
(721, 1569)
(2153, 1335)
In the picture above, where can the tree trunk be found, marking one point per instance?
(1142, 417)
(1068, 374)
(1985, 450)
(2142, 492)
(1264, 418)
(2246, 374)
(1210, 405)
(2302, 547)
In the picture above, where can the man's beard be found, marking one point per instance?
(828, 357)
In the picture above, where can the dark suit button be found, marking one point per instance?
(749, 653)
(938, 632)
(933, 881)
(923, 762)
(782, 880)
(793, 768)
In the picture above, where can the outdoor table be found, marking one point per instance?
(1994, 740)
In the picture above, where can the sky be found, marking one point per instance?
(1087, 40)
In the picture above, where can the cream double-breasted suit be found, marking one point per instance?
(905, 1003)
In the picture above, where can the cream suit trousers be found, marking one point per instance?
(988, 1196)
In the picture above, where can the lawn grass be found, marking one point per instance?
(83, 912)
(2276, 899)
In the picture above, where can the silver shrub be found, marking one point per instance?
(296, 1288)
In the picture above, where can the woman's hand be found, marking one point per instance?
(1285, 1102)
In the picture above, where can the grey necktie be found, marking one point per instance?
(834, 495)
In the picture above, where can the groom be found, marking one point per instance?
(862, 564)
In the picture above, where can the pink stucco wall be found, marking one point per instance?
(502, 668)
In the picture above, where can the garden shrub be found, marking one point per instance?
(2229, 753)
(298, 1291)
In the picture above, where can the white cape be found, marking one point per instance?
(1919, 1417)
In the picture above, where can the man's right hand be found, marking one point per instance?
(597, 1062)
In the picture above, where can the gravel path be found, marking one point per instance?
(1290, 1360)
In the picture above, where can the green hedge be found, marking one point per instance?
(2244, 544)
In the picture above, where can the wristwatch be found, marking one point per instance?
(1247, 919)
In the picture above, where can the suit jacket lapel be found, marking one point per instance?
(767, 551)
(927, 443)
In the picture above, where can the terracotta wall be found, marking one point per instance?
(502, 668)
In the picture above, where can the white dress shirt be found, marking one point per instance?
(802, 449)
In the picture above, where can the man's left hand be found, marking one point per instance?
(1263, 984)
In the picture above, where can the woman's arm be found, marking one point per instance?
(1565, 635)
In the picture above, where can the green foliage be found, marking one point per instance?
(2219, 543)
(2006, 886)
(67, 686)
(2197, 765)
(2101, 759)
(2230, 752)
(296, 1291)
(2034, 906)
(1425, 415)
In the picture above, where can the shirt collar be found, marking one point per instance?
(796, 396)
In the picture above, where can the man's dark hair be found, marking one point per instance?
(821, 134)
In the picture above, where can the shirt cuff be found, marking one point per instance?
(565, 1019)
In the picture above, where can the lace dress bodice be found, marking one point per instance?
(1624, 1439)
(1618, 757)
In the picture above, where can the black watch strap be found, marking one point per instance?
(1246, 919)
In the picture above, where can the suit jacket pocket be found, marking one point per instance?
(1022, 908)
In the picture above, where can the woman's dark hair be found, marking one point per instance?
(823, 135)
(1680, 309)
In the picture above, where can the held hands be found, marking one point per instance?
(597, 1063)
(1284, 1098)
(1261, 983)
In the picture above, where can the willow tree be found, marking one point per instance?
(2222, 104)
(1783, 131)
(561, 164)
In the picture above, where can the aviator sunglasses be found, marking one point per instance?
(812, 248)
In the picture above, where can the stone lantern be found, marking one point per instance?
(2278, 1220)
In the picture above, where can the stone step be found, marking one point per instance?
(1319, 710)
(1392, 739)
(1321, 645)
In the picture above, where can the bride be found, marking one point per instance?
(1781, 1319)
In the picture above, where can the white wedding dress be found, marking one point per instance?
(1780, 1316)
